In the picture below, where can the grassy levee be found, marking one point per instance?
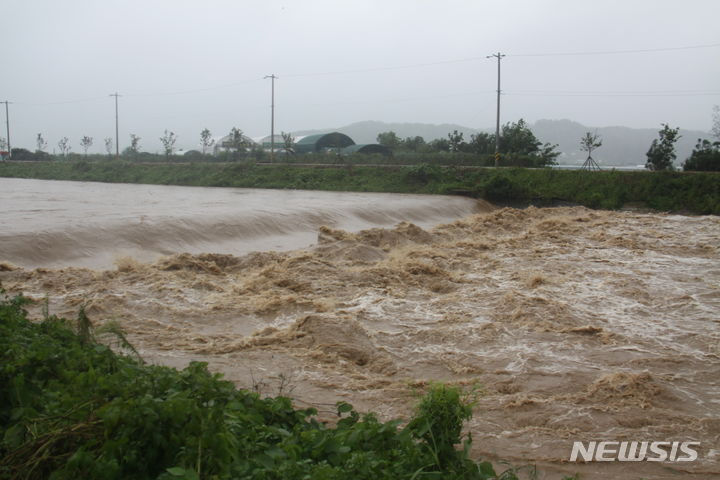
(697, 193)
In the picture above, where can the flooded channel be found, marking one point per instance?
(570, 324)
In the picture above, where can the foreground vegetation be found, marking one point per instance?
(71, 408)
(697, 193)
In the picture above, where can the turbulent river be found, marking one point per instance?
(571, 324)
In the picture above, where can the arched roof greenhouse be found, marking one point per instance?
(323, 142)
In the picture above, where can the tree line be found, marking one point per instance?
(704, 157)
(516, 139)
(237, 141)
(518, 146)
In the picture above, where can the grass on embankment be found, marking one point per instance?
(697, 193)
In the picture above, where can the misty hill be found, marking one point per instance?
(621, 145)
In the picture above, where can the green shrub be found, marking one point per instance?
(424, 173)
(502, 188)
(438, 421)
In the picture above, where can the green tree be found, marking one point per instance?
(288, 142)
(108, 145)
(590, 142)
(481, 143)
(705, 157)
(206, 140)
(389, 139)
(236, 141)
(455, 141)
(518, 139)
(86, 142)
(439, 145)
(413, 144)
(661, 154)
(168, 140)
(134, 147)
(64, 146)
(716, 122)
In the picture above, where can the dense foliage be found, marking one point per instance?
(704, 158)
(661, 154)
(518, 145)
(71, 408)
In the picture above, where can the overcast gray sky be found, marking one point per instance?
(187, 65)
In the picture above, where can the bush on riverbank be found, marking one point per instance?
(687, 192)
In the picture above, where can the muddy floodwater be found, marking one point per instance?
(571, 324)
(54, 223)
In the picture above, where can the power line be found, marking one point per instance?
(197, 90)
(669, 93)
(474, 59)
(615, 52)
(63, 102)
(385, 101)
(386, 68)
(157, 94)
(380, 69)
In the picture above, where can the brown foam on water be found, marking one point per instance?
(330, 339)
(576, 324)
(624, 388)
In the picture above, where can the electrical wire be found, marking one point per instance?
(197, 90)
(430, 64)
(614, 52)
(473, 59)
(668, 93)
(63, 102)
(382, 69)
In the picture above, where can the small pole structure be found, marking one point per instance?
(117, 136)
(7, 123)
(590, 142)
(499, 57)
(272, 116)
(590, 164)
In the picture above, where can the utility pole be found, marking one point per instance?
(117, 139)
(499, 56)
(272, 116)
(7, 122)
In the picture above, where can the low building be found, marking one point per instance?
(266, 142)
(224, 144)
(367, 148)
(323, 143)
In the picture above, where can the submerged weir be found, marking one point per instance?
(58, 223)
